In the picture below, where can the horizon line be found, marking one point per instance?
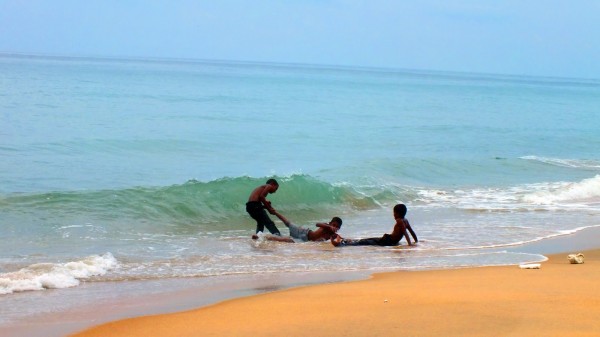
(282, 64)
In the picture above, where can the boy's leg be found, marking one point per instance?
(274, 238)
(271, 226)
(368, 242)
(260, 227)
(280, 238)
(359, 242)
(254, 210)
(298, 232)
(263, 220)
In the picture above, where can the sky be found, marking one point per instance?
(520, 37)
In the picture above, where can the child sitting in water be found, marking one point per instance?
(399, 231)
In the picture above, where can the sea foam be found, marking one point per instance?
(41, 276)
(587, 190)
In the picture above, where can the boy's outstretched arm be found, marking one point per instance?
(411, 231)
(281, 217)
(401, 224)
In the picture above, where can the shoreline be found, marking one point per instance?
(123, 300)
(196, 294)
(559, 299)
(584, 239)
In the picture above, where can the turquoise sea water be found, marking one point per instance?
(119, 170)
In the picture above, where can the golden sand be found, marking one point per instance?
(560, 299)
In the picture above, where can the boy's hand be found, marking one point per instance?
(336, 240)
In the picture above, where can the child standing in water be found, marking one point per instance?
(257, 203)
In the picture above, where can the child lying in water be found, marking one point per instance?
(324, 231)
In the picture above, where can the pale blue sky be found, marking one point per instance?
(530, 37)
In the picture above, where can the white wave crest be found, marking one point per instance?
(571, 163)
(41, 276)
(584, 194)
(587, 190)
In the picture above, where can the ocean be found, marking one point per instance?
(137, 170)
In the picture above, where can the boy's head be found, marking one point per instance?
(399, 211)
(336, 221)
(274, 184)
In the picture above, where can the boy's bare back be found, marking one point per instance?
(257, 192)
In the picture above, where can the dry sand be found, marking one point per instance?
(560, 299)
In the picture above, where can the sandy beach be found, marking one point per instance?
(559, 299)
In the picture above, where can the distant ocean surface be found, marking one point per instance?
(118, 170)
